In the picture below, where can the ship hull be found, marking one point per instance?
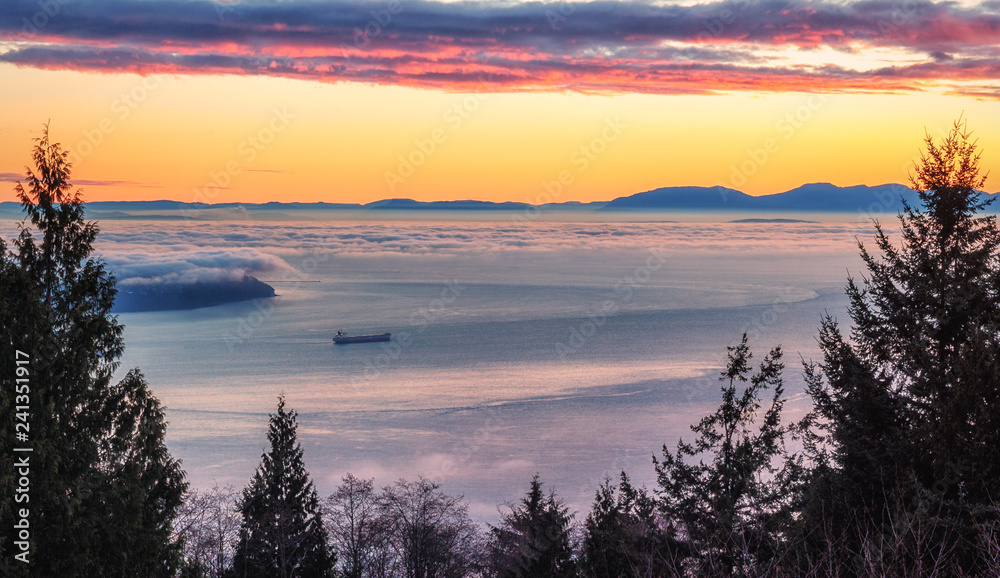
(345, 339)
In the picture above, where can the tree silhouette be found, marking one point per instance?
(730, 509)
(103, 487)
(282, 533)
(533, 540)
(907, 411)
(624, 538)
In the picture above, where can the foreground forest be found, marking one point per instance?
(892, 473)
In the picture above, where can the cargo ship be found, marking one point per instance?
(342, 338)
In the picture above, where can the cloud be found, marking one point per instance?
(17, 177)
(599, 46)
(982, 92)
(135, 267)
(228, 249)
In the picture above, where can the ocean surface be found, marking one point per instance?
(573, 350)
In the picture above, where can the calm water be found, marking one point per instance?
(572, 350)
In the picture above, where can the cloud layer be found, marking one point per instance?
(599, 46)
(197, 251)
(135, 267)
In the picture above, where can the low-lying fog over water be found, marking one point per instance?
(569, 349)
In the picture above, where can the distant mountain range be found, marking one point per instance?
(816, 197)
(809, 198)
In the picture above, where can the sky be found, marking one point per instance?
(351, 102)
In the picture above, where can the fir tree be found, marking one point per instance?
(623, 536)
(730, 510)
(907, 408)
(856, 441)
(104, 489)
(926, 316)
(533, 540)
(282, 533)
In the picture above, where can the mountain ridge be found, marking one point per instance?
(817, 197)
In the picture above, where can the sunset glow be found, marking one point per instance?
(354, 102)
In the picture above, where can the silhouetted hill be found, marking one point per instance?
(822, 197)
(467, 205)
(814, 197)
(811, 198)
(771, 221)
(688, 198)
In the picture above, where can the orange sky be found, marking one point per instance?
(343, 142)
(290, 120)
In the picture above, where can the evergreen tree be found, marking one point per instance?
(908, 407)
(533, 540)
(103, 488)
(731, 509)
(927, 315)
(282, 533)
(856, 441)
(623, 537)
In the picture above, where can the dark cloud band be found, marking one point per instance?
(590, 46)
